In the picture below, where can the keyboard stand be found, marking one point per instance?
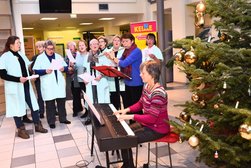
(108, 163)
(92, 142)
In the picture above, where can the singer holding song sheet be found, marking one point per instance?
(150, 125)
(151, 52)
(97, 89)
(77, 84)
(50, 65)
(116, 84)
(18, 89)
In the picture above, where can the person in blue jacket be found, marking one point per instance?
(129, 64)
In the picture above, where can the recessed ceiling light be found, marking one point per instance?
(70, 27)
(73, 16)
(48, 18)
(83, 24)
(28, 28)
(106, 18)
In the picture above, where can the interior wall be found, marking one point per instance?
(62, 37)
(116, 6)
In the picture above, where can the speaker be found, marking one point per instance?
(55, 6)
(103, 6)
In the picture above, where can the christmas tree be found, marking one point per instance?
(217, 119)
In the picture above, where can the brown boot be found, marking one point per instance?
(39, 128)
(22, 133)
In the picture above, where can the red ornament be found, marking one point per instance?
(216, 155)
(211, 124)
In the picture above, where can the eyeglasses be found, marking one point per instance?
(50, 49)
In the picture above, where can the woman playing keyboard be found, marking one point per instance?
(152, 124)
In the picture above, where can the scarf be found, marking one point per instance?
(93, 57)
(127, 70)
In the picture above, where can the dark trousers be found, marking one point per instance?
(39, 96)
(34, 114)
(77, 96)
(115, 99)
(144, 134)
(51, 110)
(132, 95)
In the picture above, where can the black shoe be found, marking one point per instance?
(65, 122)
(98, 166)
(126, 166)
(131, 122)
(52, 126)
(41, 115)
(145, 165)
(85, 114)
(27, 120)
(74, 114)
(88, 121)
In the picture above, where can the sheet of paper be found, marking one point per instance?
(32, 77)
(95, 82)
(70, 56)
(56, 64)
(86, 77)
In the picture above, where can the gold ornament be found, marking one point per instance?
(224, 37)
(190, 57)
(202, 86)
(245, 131)
(216, 106)
(202, 103)
(195, 97)
(184, 117)
(178, 56)
(193, 141)
(200, 20)
(201, 7)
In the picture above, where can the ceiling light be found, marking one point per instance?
(48, 18)
(70, 27)
(106, 18)
(83, 24)
(28, 28)
(73, 16)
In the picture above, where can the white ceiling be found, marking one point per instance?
(64, 22)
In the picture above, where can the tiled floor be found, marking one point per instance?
(68, 146)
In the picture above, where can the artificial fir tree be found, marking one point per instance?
(217, 119)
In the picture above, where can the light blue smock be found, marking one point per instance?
(80, 64)
(102, 85)
(153, 50)
(14, 91)
(51, 88)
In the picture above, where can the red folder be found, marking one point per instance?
(111, 71)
